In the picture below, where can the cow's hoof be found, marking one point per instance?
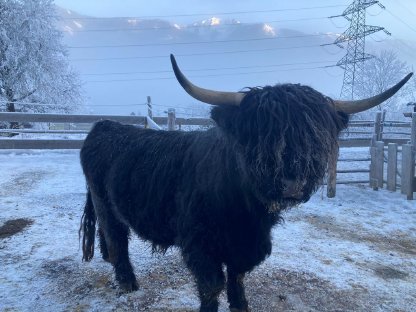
(129, 286)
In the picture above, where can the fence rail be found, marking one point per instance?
(376, 133)
(41, 144)
(61, 118)
(155, 122)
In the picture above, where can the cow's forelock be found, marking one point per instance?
(287, 132)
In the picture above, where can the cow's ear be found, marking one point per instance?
(225, 116)
(344, 118)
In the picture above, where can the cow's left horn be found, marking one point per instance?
(352, 107)
(205, 95)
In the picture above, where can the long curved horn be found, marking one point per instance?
(205, 95)
(352, 107)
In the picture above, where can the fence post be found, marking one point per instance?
(171, 119)
(149, 107)
(413, 132)
(383, 119)
(149, 112)
(379, 164)
(377, 126)
(392, 167)
(408, 170)
(332, 174)
(413, 158)
(373, 180)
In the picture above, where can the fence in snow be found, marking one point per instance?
(398, 136)
(388, 140)
(78, 125)
(387, 156)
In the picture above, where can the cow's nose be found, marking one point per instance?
(290, 190)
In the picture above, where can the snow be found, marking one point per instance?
(356, 251)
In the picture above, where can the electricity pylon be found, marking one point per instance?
(354, 36)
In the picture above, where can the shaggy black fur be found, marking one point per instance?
(215, 194)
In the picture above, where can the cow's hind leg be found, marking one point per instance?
(209, 278)
(103, 245)
(114, 237)
(235, 291)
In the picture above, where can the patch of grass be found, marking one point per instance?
(15, 226)
(390, 273)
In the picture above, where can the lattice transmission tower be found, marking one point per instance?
(354, 37)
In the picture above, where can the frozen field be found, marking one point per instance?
(356, 252)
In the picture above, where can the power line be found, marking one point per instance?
(35, 104)
(323, 46)
(330, 74)
(376, 39)
(205, 69)
(193, 106)
(192, 42)
(404, 44)
(402, 21)
(209, 14)
(197, 54)
(333, 23)
(210, 75)
(406, 8)
(394, 46)
(63, 105)
(191, 26)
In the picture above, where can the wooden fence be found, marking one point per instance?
(73, 123)
(387, 156)
(389, 139)
(398, 136)
(359, 133)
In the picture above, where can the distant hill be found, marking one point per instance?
(215, 53)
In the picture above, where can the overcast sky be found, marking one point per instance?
(399, 17)
(307, 16)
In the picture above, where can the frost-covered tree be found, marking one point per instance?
(33, 61)
(379, 74)
(412, 93)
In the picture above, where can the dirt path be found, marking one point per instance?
(356, 252)
(169, 287)
(22, 182)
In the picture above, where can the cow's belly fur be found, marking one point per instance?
(165, 204)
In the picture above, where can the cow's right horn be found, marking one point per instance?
(205, 95)
(352, 107)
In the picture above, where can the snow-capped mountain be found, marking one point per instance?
(122, 60)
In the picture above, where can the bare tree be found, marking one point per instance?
(379, 74)
(34, 70)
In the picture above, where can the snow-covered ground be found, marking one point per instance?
(355, 252)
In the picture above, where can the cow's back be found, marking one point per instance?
(100, 148)
(137, 171)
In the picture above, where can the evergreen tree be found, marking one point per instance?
(33, 61)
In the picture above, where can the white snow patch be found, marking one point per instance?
(133, 21)
(354, 240)
(78, 24)
(268, 29)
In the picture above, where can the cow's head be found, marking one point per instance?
(286, 133)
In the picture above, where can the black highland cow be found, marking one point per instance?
(215, 194)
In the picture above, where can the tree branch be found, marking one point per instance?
(25, 96)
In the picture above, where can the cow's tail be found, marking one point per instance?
(87, 229)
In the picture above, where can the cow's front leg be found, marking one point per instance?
(209, 277)
(235, 291)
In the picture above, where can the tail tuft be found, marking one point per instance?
(87, 229)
